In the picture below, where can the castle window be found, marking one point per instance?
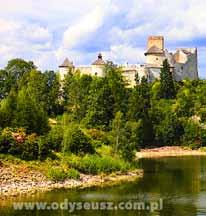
(95, 73)
(181, 67)
(156, 58)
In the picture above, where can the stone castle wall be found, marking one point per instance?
(183, 64)
(157, 41)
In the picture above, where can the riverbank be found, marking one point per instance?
(20, 179)
(168, 151)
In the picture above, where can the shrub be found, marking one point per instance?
(30, 150)
(76, 141)
(98, 136)
(18, 144)
(56, 174)
(203, 137)
(43, 147)
(73, 174)
(26, 147)
(8, 143)
(55, 138)
(169, 130)
(93, 164)
(202, 113)
(131, 140)
(105, 150)
(203, 149)
(191, 135)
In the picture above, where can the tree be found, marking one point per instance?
(7, 109)
(126, 136)
(169, 130)
(139, 107)
(51, 92)
(139, 101)
(30, 112)
(117, 129)
(100, 105)
(12, 73)
(131, 140)
(5, 84)
(117, 84)
(167, 86)
(75, 141)
(76, 92)
(192, 133)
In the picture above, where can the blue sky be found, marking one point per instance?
(47, 31)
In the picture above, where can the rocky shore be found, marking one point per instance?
(17, 181)
(168, 151)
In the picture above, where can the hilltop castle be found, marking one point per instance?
(183, 63)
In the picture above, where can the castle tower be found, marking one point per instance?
(65, 67)
(155, 54)
(98, 66)
(157, 41)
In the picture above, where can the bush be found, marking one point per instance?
(30, 150)
(56, 174)
(8, 143)
(55, 138)
(93, 164)
(105, 150)
(44, 148)
(26, 147)
(203, 149)
(73, 174)
(203, 137)
(169, 130)
(202, 114)
(76, 141)
(98, 136)
(191, 135)
(131, 140)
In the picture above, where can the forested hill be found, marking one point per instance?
(38, 114)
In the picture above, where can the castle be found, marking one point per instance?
(183, 63)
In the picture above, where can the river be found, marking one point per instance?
(174, 186)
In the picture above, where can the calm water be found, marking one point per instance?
(179, 182)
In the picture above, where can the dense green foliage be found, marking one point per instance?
(167, 86)
(85, 113)
(75, 141)
(93, 164)
(60, 174)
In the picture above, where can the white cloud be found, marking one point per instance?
(48, 31)
(23, 40)
(87, 24)
(176, 20)
(81, 30)
(37, 33)
(125, 53)
(7, 26)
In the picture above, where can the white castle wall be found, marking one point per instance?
(130, 71)
(97, 70)
(84, 69)
(63, 71)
